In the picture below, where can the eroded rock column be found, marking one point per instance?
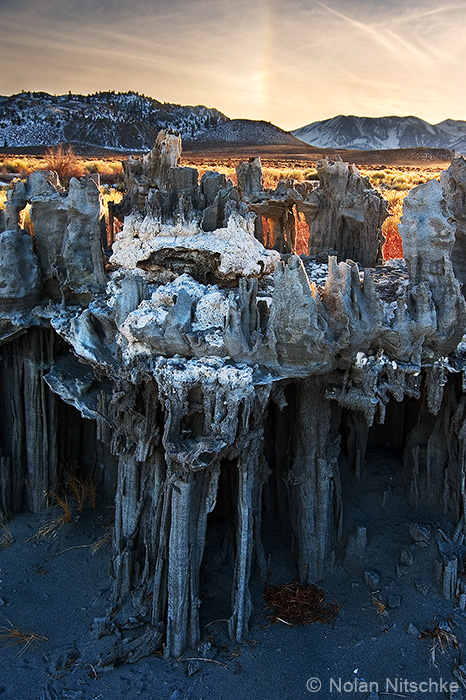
(314, 482)
(28, 423)
(172, 435)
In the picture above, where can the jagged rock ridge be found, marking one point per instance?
(210, 398)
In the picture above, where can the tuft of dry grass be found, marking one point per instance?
(77, 490)
(401, 178)
(6, 538)
(52, 527)
(379, 606)
(22, 166)
(82, 487)
(62, 501)
(104, 167)
(22, 637)
(441, 637)
(49, 529)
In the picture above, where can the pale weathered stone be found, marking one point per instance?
(226, 254)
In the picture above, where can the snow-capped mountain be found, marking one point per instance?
(123, 121)
(375, 133)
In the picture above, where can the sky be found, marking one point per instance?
(290, 62)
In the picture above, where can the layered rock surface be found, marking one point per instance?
(216, 379)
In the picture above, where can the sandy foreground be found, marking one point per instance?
(56, 586)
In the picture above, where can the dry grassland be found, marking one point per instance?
(393, 181)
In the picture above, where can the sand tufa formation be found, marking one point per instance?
(212, 382)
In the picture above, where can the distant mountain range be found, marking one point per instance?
(120, 121)
(376, 133)
(129, 121)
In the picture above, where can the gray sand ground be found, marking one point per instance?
(56, 587)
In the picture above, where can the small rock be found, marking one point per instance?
(373, 696)
(132, 623)
(2, 602)
(401, 570)
(372, 580)
(422, 587)
(445, 626)
(407, 556)
(420, 533)
(361, 537)
(462, 602)
(72, 694)
(412, 630)
(394, 600)
(193, 667)
(101, 627)
(176, 695)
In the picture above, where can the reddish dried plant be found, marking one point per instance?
(300, 604)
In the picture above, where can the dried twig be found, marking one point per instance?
(212, 622)
(105, 539)
(203, 658)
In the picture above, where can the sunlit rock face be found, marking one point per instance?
(428, 238)
(214, 382)
(67, 236)
(453, 182)
(21, 279)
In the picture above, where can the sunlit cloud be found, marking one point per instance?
(287, 61)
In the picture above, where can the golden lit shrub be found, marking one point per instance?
(63, 160)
